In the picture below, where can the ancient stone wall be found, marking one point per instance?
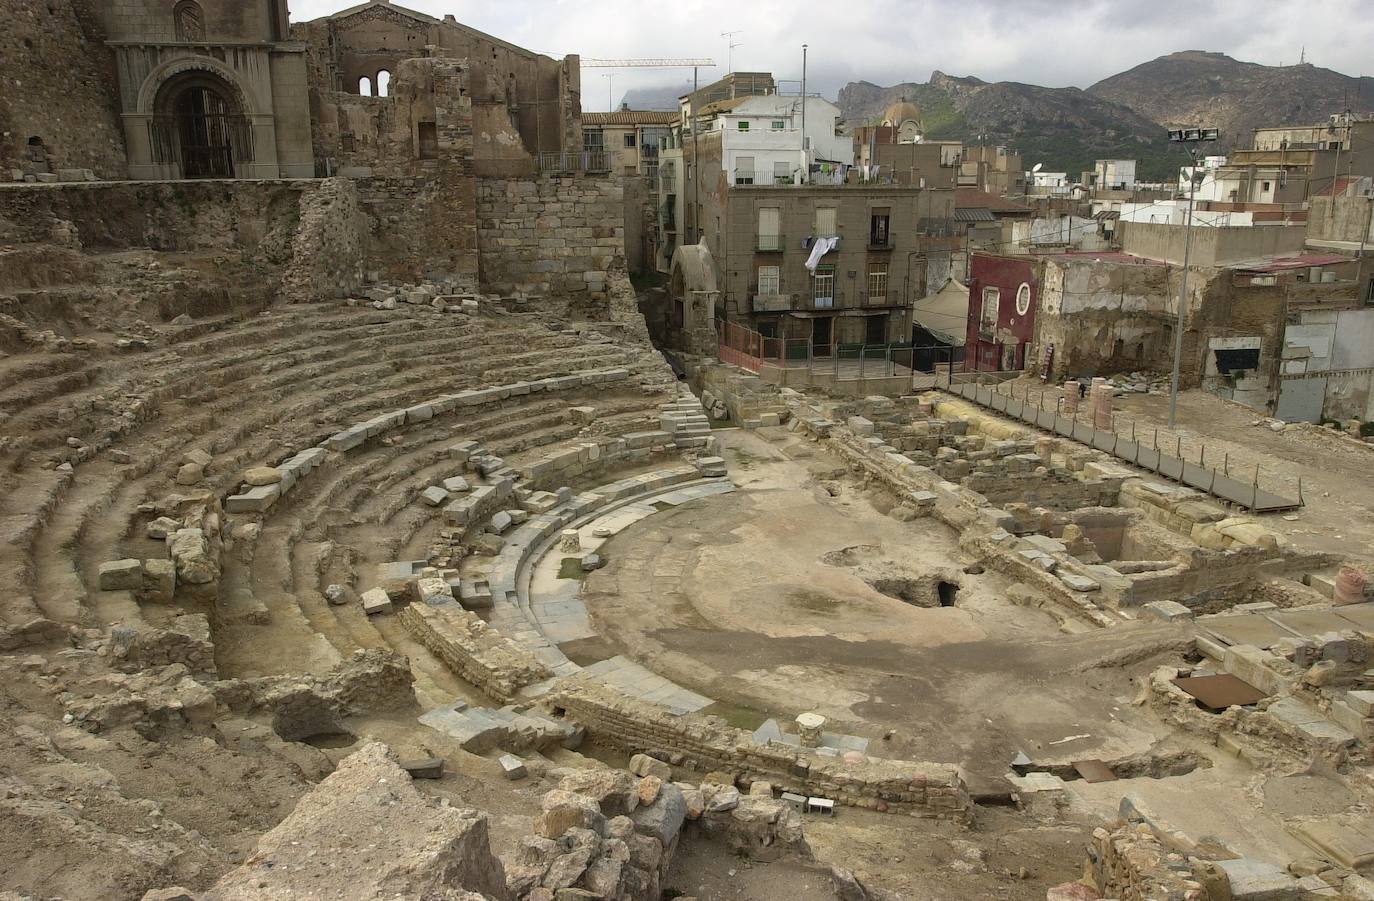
(921, 789)
(552, 235)
(57, 91)
(474, 651)
(422, 227)
(330, 246)
(256, 217)
(1129, 862)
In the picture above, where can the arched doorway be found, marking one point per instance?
(199, 125)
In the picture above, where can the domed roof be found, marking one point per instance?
(901, 111)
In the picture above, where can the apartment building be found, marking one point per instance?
(631, 139)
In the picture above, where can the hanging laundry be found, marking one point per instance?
(820, 249)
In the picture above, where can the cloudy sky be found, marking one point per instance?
(887, 41)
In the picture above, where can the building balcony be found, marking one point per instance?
(782, 303)
(882, 299)
(744, 176)
(879, 244)
(772, 303)
(593, 161)
(769, 244)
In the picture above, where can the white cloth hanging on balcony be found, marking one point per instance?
(820, 248)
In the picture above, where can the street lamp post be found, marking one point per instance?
(1191, 137)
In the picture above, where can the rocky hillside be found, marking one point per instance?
(1122, 116)
(1066, 129)
(1195, 87)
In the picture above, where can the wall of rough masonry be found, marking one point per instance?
(423, 227)
(1130, 863)
(474, 651)
(330, 245)
(920, 789)
(556, 236)
(57, 85)
(253, 216)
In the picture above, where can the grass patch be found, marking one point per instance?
(571, 568)
(737, 716)
(744, 458)
(814, 602)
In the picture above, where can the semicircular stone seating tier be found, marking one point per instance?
(514, 656)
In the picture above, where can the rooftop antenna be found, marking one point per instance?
(610, 79)
(731, 44)
(1302, 55)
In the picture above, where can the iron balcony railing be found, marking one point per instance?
(880, 242)
(592, 161)
(769, 243)
(744, 176)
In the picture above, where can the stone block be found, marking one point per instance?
(1169, 611)
(159, 580)
(1256, 667)
(1361, 701)
(259, 476)
(1257, 880)
(499, 523)
(432, 591)
(419, 413)
(462, 450)
(434, 496)
(1076, 582)
(455, 484)
(424, 767)
(512, 767)
(254, 500)
(860, 426)
(121, 575)
(375, 600)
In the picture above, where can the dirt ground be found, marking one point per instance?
(747, 598)
(1336, 472)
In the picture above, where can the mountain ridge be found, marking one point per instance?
(1124, 115)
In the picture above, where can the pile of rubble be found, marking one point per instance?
(367, 831)
(1140, 383)
(444, 296)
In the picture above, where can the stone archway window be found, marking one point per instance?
(190, 21)
(383, 83)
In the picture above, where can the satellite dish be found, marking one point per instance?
(1037, 167)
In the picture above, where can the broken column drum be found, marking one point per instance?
(809, 727)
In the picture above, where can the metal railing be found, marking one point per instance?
(741, 346)
(1142, 448)
(591, 161)
(744, 176)
(769, 243)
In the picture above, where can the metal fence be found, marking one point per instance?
(743, 347)
(1141, 448)
(593, 161)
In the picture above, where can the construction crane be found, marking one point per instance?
(592, 63)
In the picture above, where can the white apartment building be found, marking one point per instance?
(762, 143)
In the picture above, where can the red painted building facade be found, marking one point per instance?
(1003, 295)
